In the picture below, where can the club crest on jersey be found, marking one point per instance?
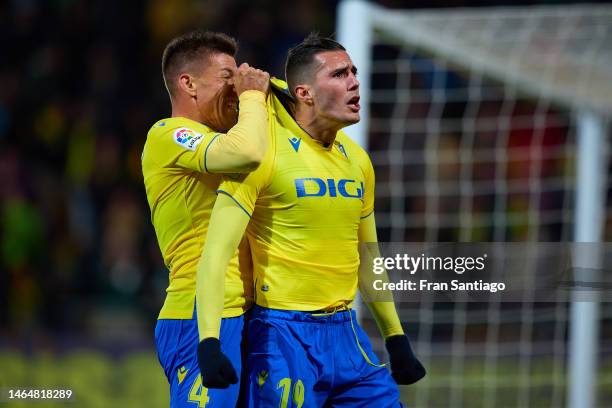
(295, 142)
(187, 138)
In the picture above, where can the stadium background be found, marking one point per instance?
(81, 276)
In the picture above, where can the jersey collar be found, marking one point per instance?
(280, 97)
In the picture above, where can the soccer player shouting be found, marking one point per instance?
(181, 161)
(308, 206)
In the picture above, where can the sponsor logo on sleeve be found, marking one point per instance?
(187, 138)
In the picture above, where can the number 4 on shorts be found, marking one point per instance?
(198, 393)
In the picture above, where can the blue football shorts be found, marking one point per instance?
(303, 359)
(177, 343)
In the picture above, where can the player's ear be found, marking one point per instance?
(187, 84)
(303, 93)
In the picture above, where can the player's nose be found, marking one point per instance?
(353, 82)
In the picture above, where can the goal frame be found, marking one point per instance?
(356, 22)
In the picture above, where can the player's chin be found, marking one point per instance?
(352, 118)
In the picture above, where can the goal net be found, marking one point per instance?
(472, 119)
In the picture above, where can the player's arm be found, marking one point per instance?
(384, 311)
(405, 367)
(381, 305)
(230, 216)
(243, 147)
(227, 225)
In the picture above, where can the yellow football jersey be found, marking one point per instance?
(305, 202)
(181, 195)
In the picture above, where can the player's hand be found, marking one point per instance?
(249, 78)
(215, 368)
(405, 367)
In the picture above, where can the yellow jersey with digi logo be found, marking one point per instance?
(181, 195)
(306, 202)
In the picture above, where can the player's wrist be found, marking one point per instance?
(208, 333)
(209, 345)
(391, 332)
(396, 342)
(210, 340)
(254, 94)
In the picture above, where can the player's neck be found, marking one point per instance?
(185, 110)
(318, 128)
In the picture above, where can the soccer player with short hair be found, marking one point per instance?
(182, 160)
(308, 207)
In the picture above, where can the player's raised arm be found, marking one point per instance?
(243, 147)
(227, 102)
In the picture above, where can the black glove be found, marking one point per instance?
(405, 368)
(216, 370)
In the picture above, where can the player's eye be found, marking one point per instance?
(340, 74)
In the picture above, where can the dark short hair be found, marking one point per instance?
(187, 48)
(300, 59)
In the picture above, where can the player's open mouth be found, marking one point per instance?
(353, 104)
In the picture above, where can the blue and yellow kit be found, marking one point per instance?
(180, 164)
(181, 191)
(306, 203)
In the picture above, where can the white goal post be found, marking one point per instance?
(559, 57)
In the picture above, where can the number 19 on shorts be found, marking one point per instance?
(293, 389)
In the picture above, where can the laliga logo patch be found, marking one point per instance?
(187, 138)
